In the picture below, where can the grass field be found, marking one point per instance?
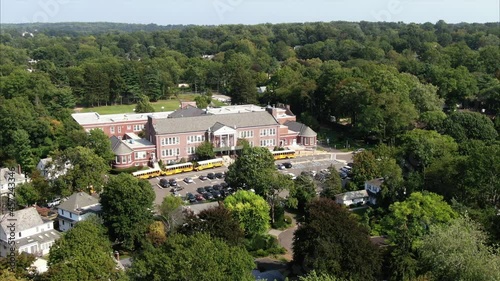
(168, 105)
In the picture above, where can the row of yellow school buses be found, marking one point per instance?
(199, 166)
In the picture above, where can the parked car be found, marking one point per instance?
(199, 197)
(188, 180)
(287, 165)
(176, 188)
(211, 176)
(358, 151)
(280, 166)
(202, 177)
(292, 175)
(200, 190)
(208, 196)
(216, 194)
(208, 188)
(224, 184)
(219, 175)
(190, 197)
(217, 187)
(172, 182)
(164, 183)
(56, 201)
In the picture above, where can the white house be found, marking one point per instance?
(5, 176)
(75, 208)
(50, 170)
(374, 187)
(352, 197)
(30, 232)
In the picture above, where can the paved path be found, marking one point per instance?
(285, 237)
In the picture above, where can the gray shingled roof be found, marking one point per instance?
(25, 219)
(118, 147)
(303, 129)
(202, 123)
(79, 200)
(189, 111)
(352, 195)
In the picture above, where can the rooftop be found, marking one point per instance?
(352, 195)
(25, 219)
(376, 182)
(203, 123)
(90, 118)
(79, 203)
(235, 109)
(127, 145)
(302, 129)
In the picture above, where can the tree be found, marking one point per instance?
(205, 151)
(251, 169)
(332, 184)
(277, 183)
(143, 105)
(251, 211)
(20, 149)
(218, 222)
(302, 192)
(405, 225)
(26, 195)
(22, 270)
(168, 208)
(100, 144)
(156, 233)
(83, 253)
(88, 169)
(202, 101)
(365, 167)
(459, 251)
(180, 258)
(469, 125)
(126, 205)
(313, 276)
(332, 242)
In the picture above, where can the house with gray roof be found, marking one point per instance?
(305, 135)
(51, 169)
(352, 197)
(373, 187)
(75, 208)
(27, 231)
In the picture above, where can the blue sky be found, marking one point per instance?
(214, 12)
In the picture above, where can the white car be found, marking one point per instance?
(54, 202)
(292, 175)
(188, 180)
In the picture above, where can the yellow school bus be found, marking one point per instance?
(177, 169)
(146, 174)
(208, 164)
(283, 154)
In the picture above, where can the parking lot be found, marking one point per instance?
(300, 164)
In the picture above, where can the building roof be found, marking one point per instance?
(79, 202)
(302, 129)
(25, 219)
(198, 208)
(4, 176)
(203, 123)
(40, 238)
(375, 182)
(188, 111)
(127, 146)
(352, 195)
(91, 118)
(230, 109)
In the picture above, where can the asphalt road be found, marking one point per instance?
(299, 164)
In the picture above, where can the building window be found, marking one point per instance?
(268, 142)
(268, 132)
(129, 158)
(137, 128)
(246, 134)
(112, 129)
(191, 150)
(71, 215)
(19, 234)
(140, 155)
(62, 222)
(119, 129)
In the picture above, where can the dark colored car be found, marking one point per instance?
(199, 197)
(209, 188)
(172, 182)
(287, 165)
(202, 177)
(224, 184)
(164, 183)
(219, 175)
(217, 187)
(211, 176)
(216, 194)
(200, 190)
(190, 197)
(208, 196)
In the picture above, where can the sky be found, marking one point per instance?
(216, 12)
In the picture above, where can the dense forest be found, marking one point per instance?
(426, 96)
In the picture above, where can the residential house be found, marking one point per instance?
(5, 179)
(30, 232)
(75, 208)
(373, 187)
(352, 197)
(50, 170)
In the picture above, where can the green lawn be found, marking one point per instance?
(168, 105)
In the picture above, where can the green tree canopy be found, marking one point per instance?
(194, 257)
(83, 253)
(462, 125)
(126, 205)
(332, 242)
(143, 105)
(100, 143)
(251, 211)
(205, 151)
